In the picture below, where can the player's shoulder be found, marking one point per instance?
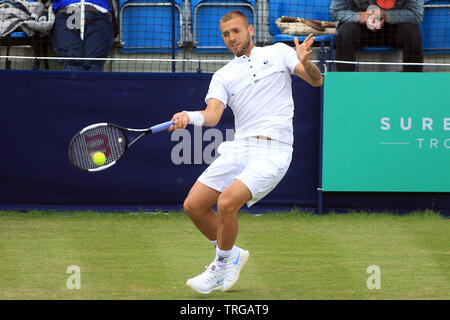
(277, 49)
(227, 68)
(279, 45)
(282, 46)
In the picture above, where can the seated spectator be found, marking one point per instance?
(370, 23)
(98, 33)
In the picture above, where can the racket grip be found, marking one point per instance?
(161, 127)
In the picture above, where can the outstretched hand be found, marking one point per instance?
(304, 50)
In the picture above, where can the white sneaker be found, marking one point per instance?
(234, 267)
(207, 281)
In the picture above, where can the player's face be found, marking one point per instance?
(237, 35)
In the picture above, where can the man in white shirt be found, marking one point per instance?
(256, 85)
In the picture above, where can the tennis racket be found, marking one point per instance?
(110, 139)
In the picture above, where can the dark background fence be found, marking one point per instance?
(42, 110)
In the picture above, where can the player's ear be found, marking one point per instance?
(251, 30)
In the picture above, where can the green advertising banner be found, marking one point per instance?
(386, 132)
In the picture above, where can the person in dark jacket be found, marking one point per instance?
(375, 23)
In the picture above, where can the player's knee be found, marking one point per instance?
(193, 208)
(189, 207)
(226, 205)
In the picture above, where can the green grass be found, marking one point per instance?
(293, 255)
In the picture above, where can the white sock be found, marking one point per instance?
(214, 243)
(222, 257)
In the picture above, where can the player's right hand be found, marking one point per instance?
(180, 119)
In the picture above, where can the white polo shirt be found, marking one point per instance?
(258, 90)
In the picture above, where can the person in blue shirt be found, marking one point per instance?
(378, 23)
(98, 34)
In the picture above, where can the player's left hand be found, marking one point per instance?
(304, 50)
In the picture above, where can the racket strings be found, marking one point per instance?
(104, 138)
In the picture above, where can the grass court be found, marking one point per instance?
(293, 256)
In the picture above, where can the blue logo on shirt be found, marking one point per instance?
(266, 65)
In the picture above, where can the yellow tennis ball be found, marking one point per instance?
(99, 158)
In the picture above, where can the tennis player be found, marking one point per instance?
(256, 85)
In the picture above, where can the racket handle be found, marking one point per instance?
(161, 127)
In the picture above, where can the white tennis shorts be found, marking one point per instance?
(258, 163)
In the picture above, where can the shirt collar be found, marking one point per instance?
(244, 58)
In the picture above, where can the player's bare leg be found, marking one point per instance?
(233, 258)
(198, 206)
(224, 271)
(228, 205)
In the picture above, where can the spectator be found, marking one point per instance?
(387, 23)
(98, 33)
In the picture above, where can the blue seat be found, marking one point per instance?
(146, 25)
(436, 27)
(378, 49)
(18, 34)
(205, 21)
(307, 9)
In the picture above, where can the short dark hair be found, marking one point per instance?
(234, 14)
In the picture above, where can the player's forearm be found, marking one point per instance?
(211, 118)
(313, 73)
(205, 118)
(213, 112)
